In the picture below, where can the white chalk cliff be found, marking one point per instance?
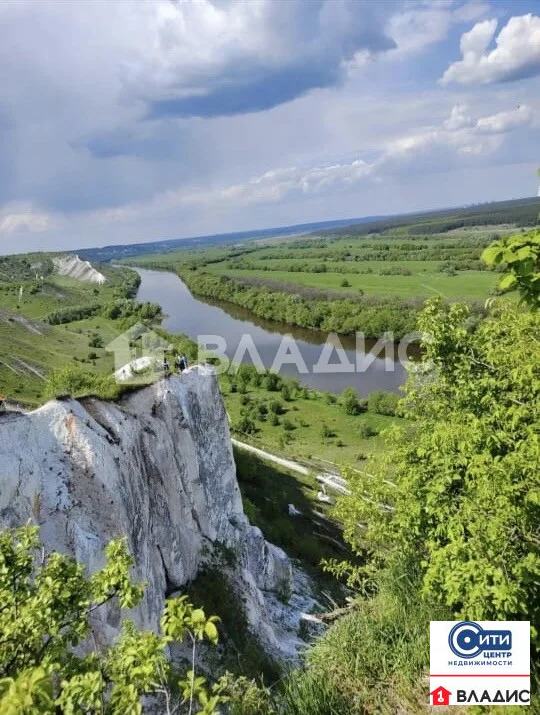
(158, 468)
(74, 267)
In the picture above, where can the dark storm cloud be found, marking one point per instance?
(327, 35)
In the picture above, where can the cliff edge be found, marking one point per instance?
(158, 468)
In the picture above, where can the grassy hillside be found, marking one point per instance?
(47, 321)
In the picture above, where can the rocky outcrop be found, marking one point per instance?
(74, 267)
(158, 468)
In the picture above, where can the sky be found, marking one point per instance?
(124, 121)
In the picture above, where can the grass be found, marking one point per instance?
(267, 491)
(344, 442)
(30, 348)
(37, 300)
(465, 285)
(372, 661)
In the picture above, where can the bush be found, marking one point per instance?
(365, 430)
(75, 381)
(326, 431)
(95, 341)
(286, 393)
(276, 407)
(383, 403)
(245, 425)
(272, 382)
(350, 402)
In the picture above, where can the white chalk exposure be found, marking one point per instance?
(157, 467)
(74, 267)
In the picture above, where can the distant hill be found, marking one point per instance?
(117, 252)
(518, 212)
(521, 212)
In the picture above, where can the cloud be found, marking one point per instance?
(458, 118)
(205, 59)
(422, 25)
(505, 121)
(459, 138)
(127, 120)
(24, 217)
(516, 55)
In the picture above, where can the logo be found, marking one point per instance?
(479, 663)
(440, 696)
(468, 640)
(139, 354)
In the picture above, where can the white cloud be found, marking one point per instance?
(420, 26)
(436, 147)
(505, 121)
(516, 55)
(23, 217)
(458, 118)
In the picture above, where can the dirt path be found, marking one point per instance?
(333, 481)
(287, 463)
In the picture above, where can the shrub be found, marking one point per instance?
(276, 407)
(246, 425)
(272, 382)
(75, 381)
(350, 402)
(95, 341)
(326, 432)
(384, 403)
(286, 393)
(365, 430)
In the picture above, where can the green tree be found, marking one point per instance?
(519, 256)
(46, 601)
(458, 492)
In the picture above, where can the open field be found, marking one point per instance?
(403, 259)
(421, 284)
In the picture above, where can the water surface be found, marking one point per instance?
(193, 316)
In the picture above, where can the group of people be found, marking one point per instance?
(180, 364)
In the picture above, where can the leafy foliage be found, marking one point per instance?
(75, 381)
(46, 602)
(382, 402)
(519, 255)
(343, 315)
(458, 493)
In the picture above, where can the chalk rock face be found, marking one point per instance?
(74, 267)
(158, 468)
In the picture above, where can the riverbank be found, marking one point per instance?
(367, 369)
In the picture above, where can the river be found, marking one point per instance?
(194, 317)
